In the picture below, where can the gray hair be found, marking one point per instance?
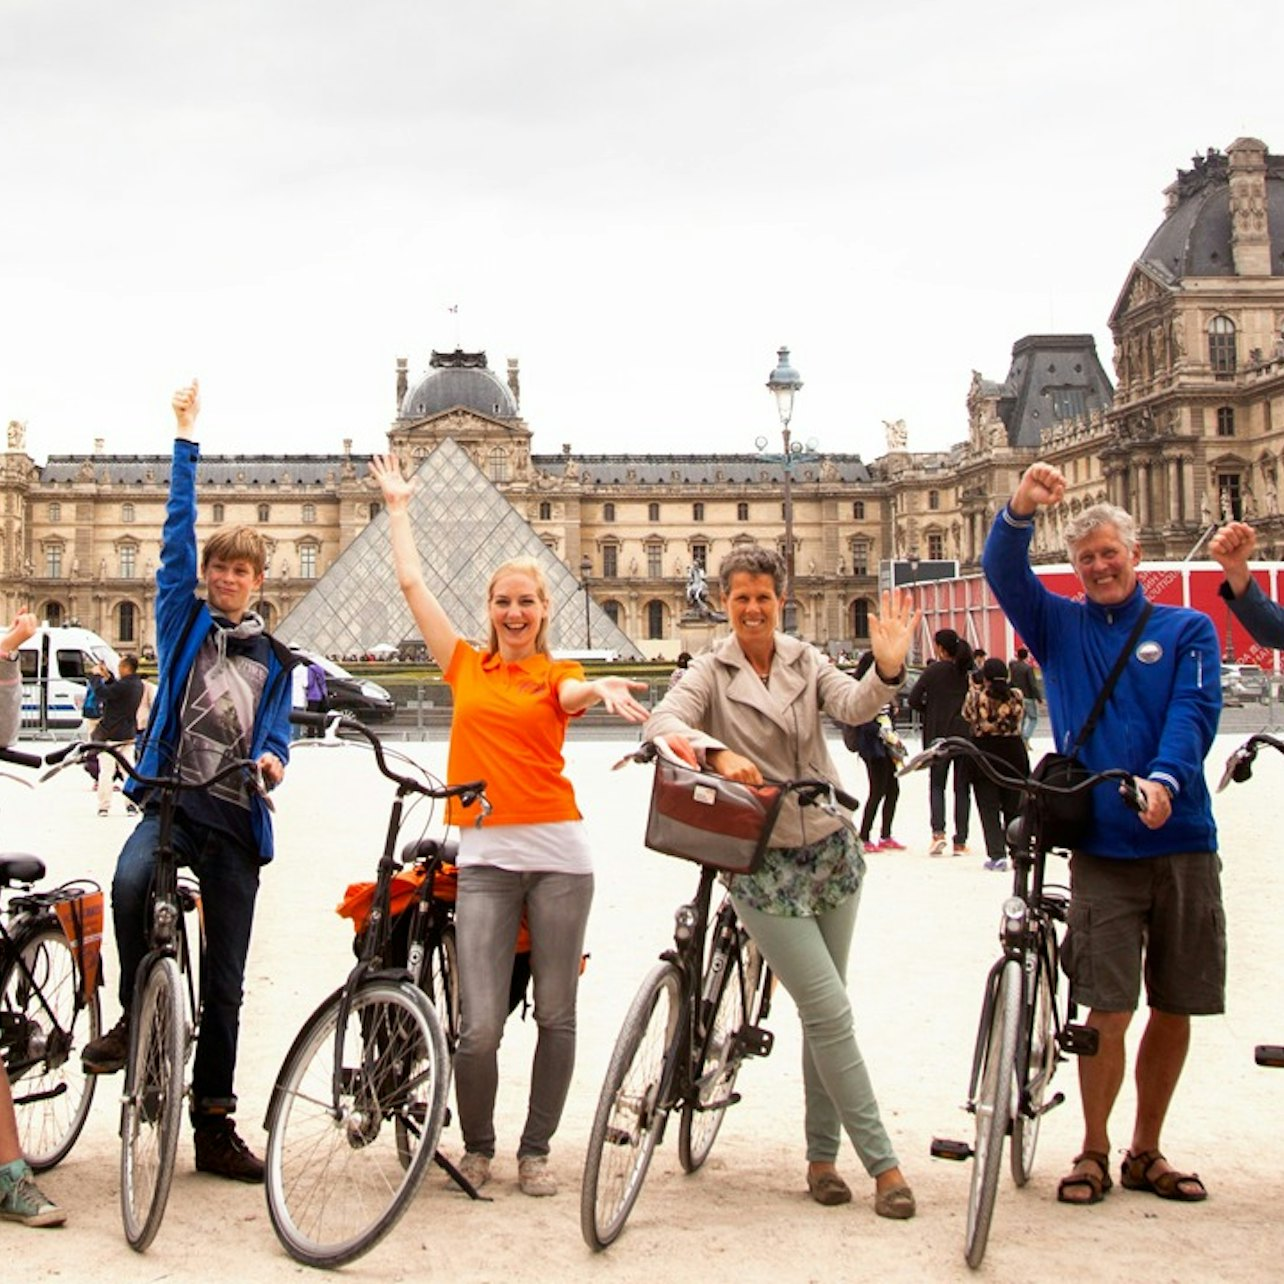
(1079, 528)
(752, 559)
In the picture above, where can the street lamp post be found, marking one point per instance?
(586, 569)
(784, 383)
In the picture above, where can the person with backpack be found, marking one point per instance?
(876, 741)
(994, 709)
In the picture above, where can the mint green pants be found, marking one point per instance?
(809, 955)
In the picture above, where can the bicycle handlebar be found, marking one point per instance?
(79, 750)
(20, 759)
(1239, 766)
(1000, 772)
(333, 723)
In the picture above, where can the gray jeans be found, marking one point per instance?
(809, 955)
(487, 913)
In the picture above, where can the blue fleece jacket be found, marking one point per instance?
(1162, 715)
(183, 622)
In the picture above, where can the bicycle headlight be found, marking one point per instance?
(684, 921)
(1014, 916)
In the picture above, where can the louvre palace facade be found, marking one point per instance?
(1189, 430)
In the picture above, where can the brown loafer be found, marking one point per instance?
(896, 1202)
(829, 1189)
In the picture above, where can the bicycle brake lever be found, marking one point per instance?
(923, 758)
(1239, 767)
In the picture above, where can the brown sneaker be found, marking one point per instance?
(221, 1152)
(108, 1053)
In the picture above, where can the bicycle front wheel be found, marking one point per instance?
(631, 1110)
(1038, 1055)
(152, 1111)
(41, 1000)
(355, 1119)
(715, 1076)
(443, 983)
(993, 1107)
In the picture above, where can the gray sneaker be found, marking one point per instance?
(533, 1176)
(21, 1200)
(474, 1168)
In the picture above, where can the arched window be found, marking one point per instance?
(653, 512)
(655, 620)
(933, 499)
(860, 618)
(55, 512)
(265, 512)
(497, 464)
(608, 512)
(612, 612)
(375, 509)
(1225, 421)
(1221, 345)
(52, 613)
(125, 622)
(309, 513)
(697, 512)
(545, 511)
(127, 512)
(858, 509)
(742, 512)
(218, 514)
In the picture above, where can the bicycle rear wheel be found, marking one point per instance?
(993, 1107)
(41, 999)
(342, 1169)
(151, 1114)
(630, 1111)
(1038, 1051)
(715, 1076)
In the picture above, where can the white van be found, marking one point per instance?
(55, 663)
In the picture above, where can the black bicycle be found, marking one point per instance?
(1239, 768)
(360, 1101)
(167, 1003)
(49, 1009)
(1026, 1027)
(691, 1025)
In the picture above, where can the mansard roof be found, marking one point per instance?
(1048, 372)
(458, 379)
(698, 470)
(212, 470)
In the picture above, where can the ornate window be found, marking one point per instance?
(497, 464)
(654, 560)
(52, 613)
(1221, 345)
(697, 512)
(53, 561)
(55, 512)
(308, 561)
(935, 546)
(934, 500)
(127, 512)
(742, 512)
(1225, 421)
(309, 514)
(128, 561)
(612, 612)
(860, 618)
(1230, 497)
(858, 510)
(218, 513)
(610, 561)
(265, 512)
(655, 620)
(545, 511)
(126, 622)
(608, 512)
(700, 556)
(860, 557)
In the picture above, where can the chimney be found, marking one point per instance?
(401, 382)
(100, 444)
(514, 382)
(1250, 236)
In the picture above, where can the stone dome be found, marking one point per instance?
(459, 379)
(1195, 238)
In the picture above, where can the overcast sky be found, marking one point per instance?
(639, 200)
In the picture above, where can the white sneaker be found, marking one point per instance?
(533, 1176)
(938, 845)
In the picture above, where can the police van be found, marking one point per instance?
(56, 662)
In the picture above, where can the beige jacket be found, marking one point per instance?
(721, 703)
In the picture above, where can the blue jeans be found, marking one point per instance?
(1029, 720)
(487, 913)
(229, 881)
(809, 955)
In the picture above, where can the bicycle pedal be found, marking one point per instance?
(1269, 1054)
(720, 1104)
(754, 1041)
(1081, 1040)
(944, 1148)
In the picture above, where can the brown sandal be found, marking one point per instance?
(1135, 1175)
(1095, 1184)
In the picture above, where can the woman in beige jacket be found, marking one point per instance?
(751, 709)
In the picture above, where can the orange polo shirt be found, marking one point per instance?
(507, 729)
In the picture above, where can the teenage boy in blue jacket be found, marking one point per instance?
(1143, 884)
(223, 692)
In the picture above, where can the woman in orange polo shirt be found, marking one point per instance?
(512, 702)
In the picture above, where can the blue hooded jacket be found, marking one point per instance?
(183, 622)
(1162, 715)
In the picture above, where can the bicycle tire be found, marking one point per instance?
(339, 1175)
(1037, 1054)
(714, 1077)
(151, 1113)
(993, 1110)
(51, 1091)
(630, 1110)
(443, 983)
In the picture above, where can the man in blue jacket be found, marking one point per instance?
(1143, 885)
(223, 692)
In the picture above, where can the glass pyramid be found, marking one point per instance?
(464, 528)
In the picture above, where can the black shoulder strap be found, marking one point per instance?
(1088, 727)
